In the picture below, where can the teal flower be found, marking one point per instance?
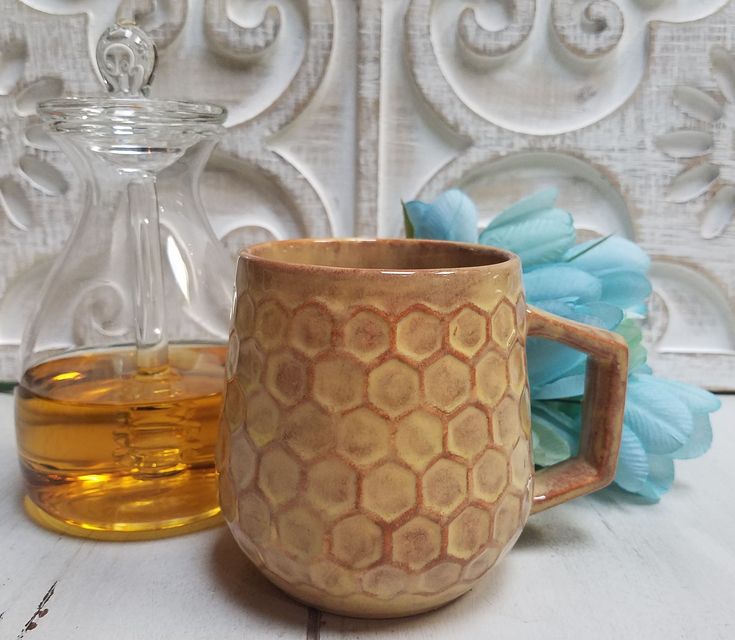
(533, 228)
(452, 216)
(603, 283)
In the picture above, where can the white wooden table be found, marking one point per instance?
(601, 567)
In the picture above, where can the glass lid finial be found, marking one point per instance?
(126, 57)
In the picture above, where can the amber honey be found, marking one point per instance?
(109, 451)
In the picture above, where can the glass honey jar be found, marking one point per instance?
(123, 360)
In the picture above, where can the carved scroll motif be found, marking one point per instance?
(483, 42)
(589, 29)
(162, 20)
(236, 43)
(246, 167)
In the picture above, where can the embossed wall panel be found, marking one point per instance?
(340, 108)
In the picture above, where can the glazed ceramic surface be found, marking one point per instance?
(375, 455)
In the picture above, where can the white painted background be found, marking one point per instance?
(340, 108)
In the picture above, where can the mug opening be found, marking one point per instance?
(379, 254)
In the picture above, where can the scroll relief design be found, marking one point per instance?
(585, 30)
(264, 61)
(595, 50)
(264, 64)
(282, 202)
(26, 166)
(234, 42)
(486, 65)
(708, 150)
(482, 42)
(689, 314)
(162, 20)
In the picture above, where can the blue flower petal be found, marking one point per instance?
(597, 283)
(638, 311)
(700, 440)
(598, 314)
(426, 221)
(541, 237)
(549, 361)
(662, 421)
(625, 288)
(539, 201)
(571, 386)
(601, 314)
(611, 255)
(660, 478)
(551, 282)
(632, 471)
(553, 442)
(452, 216)
(698, 400)
(563, 308)
(637, 355)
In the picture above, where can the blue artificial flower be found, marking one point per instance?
(452, 216)
(533, 228)
(603, 283)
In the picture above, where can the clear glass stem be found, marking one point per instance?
(151, 339)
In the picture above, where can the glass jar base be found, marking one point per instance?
(111, 506)
(128, 531)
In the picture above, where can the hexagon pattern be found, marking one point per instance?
(389, 491)
(332, 486)
(417, 542)
(467, 331)
(419, 334)
(393, 387)
(338, 383)
(468, 433)
(418, 439)
(363, 437)
(448, 382)
(367, 335)
(311, 329)
(374, 459)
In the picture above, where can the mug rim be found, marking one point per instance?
(497, 258)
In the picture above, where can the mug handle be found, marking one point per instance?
(602, 410)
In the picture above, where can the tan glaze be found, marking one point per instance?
(375, 447)
(602, 413)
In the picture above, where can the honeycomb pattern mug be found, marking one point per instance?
(375, 449)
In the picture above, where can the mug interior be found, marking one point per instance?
(380, 254)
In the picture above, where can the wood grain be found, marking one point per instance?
(602, 566)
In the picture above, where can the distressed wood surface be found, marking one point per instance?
(339, 109)
(600, 566)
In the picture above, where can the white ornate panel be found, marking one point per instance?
(340, 108)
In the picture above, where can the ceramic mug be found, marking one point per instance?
(375, 448)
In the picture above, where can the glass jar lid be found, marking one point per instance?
(126, 58)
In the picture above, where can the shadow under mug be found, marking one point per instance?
(375, 448)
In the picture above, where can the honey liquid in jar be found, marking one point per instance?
(111, 450)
